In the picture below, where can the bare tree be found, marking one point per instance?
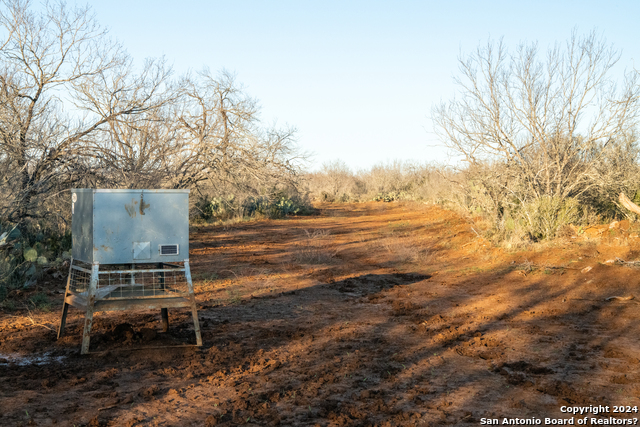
(73, 110)
(52, 61)
(135, 147)
(336, 178)
(551, 125)
(223, 140)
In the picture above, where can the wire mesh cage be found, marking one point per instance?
(125, 282)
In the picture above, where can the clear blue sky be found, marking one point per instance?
(357, 79)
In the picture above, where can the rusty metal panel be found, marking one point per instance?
(130, 226)
(82, 224)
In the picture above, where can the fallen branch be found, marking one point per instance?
(530, 266)
(620, 261)
(624, 200)
(33, 322)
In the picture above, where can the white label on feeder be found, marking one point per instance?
(73, 207)
(141, 250)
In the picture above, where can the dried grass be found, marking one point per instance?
(406, 250)
(316, 248)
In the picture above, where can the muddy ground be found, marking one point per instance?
(376, 314)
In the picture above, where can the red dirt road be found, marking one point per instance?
(365, 315)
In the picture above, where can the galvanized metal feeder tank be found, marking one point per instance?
(130, 251)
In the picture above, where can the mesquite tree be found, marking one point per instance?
(54, 61)
(555, 125)
(74, 111)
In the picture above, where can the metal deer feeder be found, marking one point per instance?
(130, 251)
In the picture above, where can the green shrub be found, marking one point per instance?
(286, 207)
(215, 207)
(277, 205)
(327, 197)
(41, 301)
(544, 216)
(24, 255)
(385, 197)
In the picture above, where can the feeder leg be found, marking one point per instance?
(65, 305)
(164, 312)
(63, 320)
(91, 299)
(194, 309)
